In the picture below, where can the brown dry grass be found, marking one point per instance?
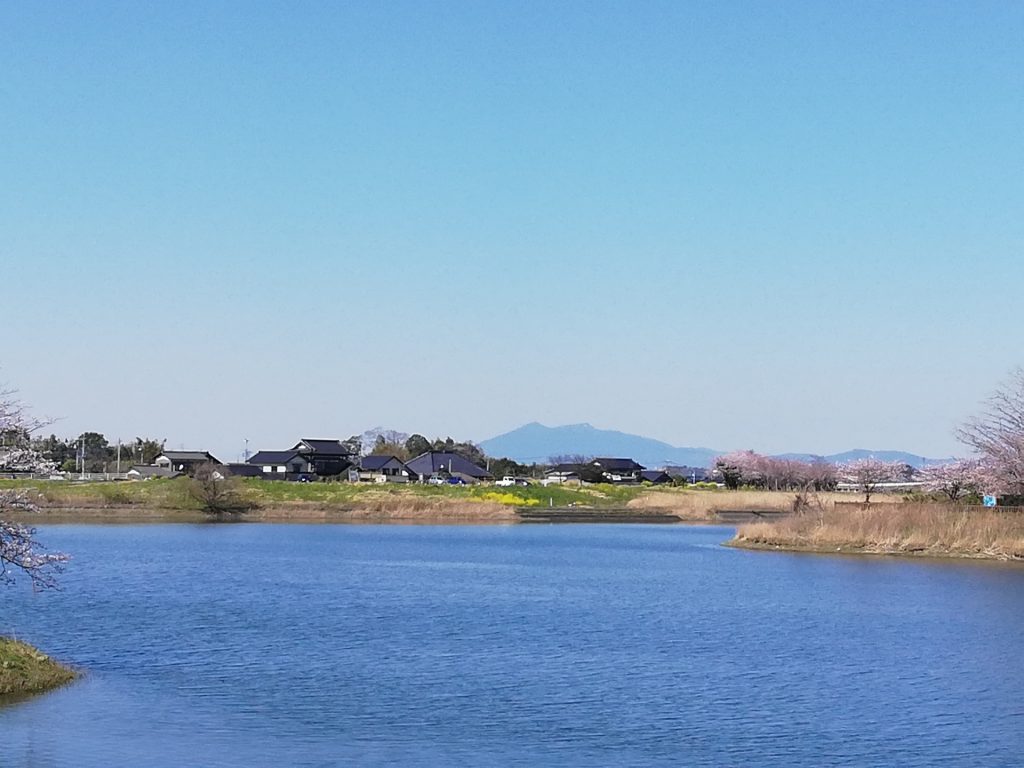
(930, 529)
(703, 505)
(384, 509)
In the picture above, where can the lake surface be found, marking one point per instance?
(317, 645)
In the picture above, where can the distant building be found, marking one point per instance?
(308, 458)
(185, 462)
(655, 476)
(380, 469)
(444, 463)
(278, 465)
(145, 472)
(618, 470)
(602, 470)
(326, 458)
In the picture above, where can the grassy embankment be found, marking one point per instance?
(24, 669)
(929, 529)
(169, 500)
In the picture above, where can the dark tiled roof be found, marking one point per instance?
(242, 470)
(273, 457)
(612, 465)
(655, 476)
(370, 463)
(147, 471)
(563, 468)
(331, 447)
(428, 463)
(189, 456)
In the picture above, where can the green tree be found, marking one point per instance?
(416, 445)
(384, 447)
(95, 450)
(145, 449)
(55, 449)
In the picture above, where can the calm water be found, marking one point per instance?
(292, 645)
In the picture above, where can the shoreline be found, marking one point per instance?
(26, 671)
(474, 513)
(932, 530)
(923, 553)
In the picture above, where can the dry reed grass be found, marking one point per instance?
(929, 529)
(703, 505)
(383, 509)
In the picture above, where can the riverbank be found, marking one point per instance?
(26, 670)
(270, 501)
(929, 530)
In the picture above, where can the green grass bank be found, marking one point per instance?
(26, 670)
(169, 501)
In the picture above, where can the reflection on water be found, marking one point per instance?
(295, 645)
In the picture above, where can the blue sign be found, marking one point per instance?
(989, 501)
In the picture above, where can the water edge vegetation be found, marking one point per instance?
(910, 528)
(26, 670)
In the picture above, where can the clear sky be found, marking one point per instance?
(780, 226)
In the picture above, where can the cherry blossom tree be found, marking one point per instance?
(954, 478)
(997, 435)
(867, 474)
(19, 550)
(737, 468)
(773, 472)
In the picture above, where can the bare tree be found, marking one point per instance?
(216, 492)
(570, 458)
(997, 434)
(19, 550)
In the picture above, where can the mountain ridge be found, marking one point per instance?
(537, 443)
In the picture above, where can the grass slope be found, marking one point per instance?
(24, 669)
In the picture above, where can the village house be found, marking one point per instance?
(380, 469)
(441, 464)
(603, 470)
(185, 462)
(618, 470)
(279, 465)
(308, 458)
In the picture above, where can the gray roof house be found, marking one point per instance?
(446, 463)
(381, 469)
(146, 472)
(656, 476)
(619, 470)
(185, 461)
(325, 457)
(277, 465)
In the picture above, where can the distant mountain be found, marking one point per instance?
(536, 443)
(862, 453)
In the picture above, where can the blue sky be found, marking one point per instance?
(789, 227)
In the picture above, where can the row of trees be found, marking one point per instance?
(89, 452)
(388, 442)
(996, 434)
(954, 479)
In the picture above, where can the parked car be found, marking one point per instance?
(436, 480)
(508, 481)
(456, 481)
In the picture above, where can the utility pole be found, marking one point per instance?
(119, 455)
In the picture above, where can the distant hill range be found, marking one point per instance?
(536, 443)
